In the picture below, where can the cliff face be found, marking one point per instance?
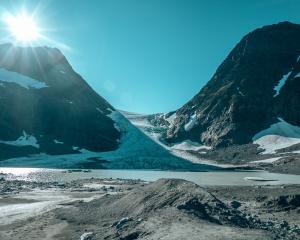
(257, 83)
(46, 107)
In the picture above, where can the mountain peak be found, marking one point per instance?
(44, 99)
(242, 97)
(30, 61)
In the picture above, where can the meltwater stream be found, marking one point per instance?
(242, 178)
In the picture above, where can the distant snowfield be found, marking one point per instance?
(278, 136)
(23, 81)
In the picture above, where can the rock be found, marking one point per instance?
(285, 202)
(87, 236)
(131, 236)
(121, 222)
(235, 204)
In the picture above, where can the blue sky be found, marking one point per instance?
(150, 55)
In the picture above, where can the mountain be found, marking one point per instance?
(50, 117)
(256, 87)
(46, 107)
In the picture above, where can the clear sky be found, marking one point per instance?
(150, 55)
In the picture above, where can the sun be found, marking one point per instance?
(22, 27)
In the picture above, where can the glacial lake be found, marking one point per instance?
(201, 178)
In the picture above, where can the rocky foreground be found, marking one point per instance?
(165, 209)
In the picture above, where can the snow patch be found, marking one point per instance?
(109, 109)
(281, 128)
(24, 140)
(239, 91)
(99, 110)
(171, 119)
(192, 122)
(297, 75)
(281, 83)
(269, 160)
(272, 143)
(279, 135)
(139, 120)
(21, 80)
(189, 145)
(57, 142)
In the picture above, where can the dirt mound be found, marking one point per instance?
(149, 209)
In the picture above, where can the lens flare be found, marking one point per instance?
(22, 27)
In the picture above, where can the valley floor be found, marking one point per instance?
(130, 209)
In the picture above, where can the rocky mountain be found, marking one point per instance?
(46, 107)
(256, 87)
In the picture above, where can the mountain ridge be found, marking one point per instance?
(43, 97)
(239, 99)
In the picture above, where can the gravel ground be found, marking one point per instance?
(165, 209)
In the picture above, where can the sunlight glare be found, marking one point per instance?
(22, 27)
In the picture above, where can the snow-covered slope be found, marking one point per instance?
(136, 151)
(278, 136)
(155, 131)
(141, 150)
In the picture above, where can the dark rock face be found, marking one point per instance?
(240, 99)
(63, 114)
(284, 202)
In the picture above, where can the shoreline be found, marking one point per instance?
(228, 177)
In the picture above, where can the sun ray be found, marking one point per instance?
(22, 27)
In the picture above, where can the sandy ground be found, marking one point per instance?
(165, 209)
